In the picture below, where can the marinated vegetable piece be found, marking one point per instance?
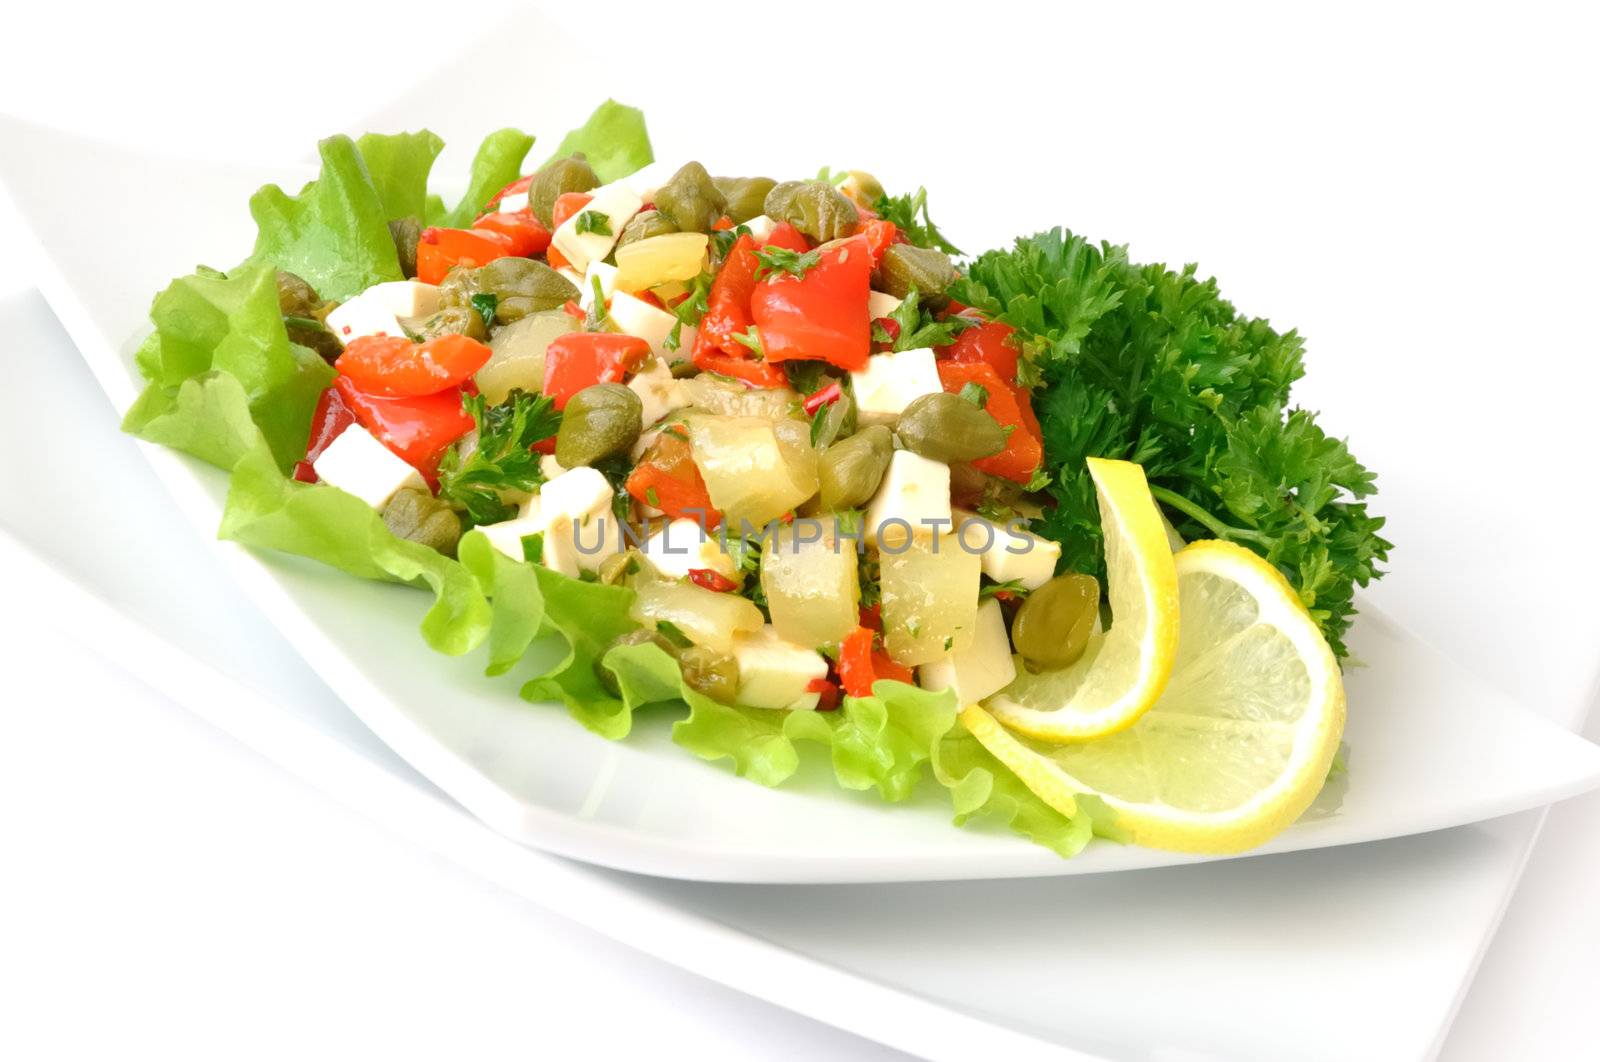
(1052, 628)
(659, 260)
(754, 469)
(645, 225)
(522, 286)
(557, 178)
(745, 197)
(417, 516)
(810, 577)
(930, 598)
(947, 427)
(834, 421)
(704, 616)
(599, 422)
(618, 568)
(712, 673)
(303, 312)
(732, 399)
(451, 321)
(849, 471)
(517, 351)
(458, 287)
(690, 200)
(906, 266)
(406, 232)
(862, 188)
(816, 208)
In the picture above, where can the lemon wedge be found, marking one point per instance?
(1122, 672)
(1240, 742)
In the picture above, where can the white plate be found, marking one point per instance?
(1395, 926)
(1434, 747)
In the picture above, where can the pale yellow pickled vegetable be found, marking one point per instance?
(518, 358)
(660, 259)
(810, 579)
(930, 598)
(755, 469)
(736, 400)
(704, 616)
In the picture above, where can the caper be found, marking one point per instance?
(522, 286)
(303, 312)
(417, 516)
(406, 232)
(746, 196)
(645, 224)
(712, 673)
(616, 569)
(946, 427)
(599, 421)
(556, 178)
(641, 636)
(459, 286)
(1052, 628)
(849, 471)
(296, 298)
(862, 187)
(452, 320)
(690, 200)
(816, 208)
(906, 266)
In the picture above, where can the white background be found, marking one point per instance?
(219, 908)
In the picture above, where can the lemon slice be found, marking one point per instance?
(1240, 742)
(1121, 673)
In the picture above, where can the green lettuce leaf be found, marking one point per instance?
(515, 598)
(497, 163)
(399, 165)
(335, 233)
(614, 140)
(981, 787)
(589, 616)
(212, 323)
(267, 510)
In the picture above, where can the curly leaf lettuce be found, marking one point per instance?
(335, 233)
(399, 164)
(497, 163)
(213, 323)
(614, 140)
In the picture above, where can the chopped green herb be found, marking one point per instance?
(502, 459)
(670, 631)
(783, 260)
(598, 317)
(975, 393)
(949, 642)
(751, 339)
(593, 221)
(722, 241)
(652, 498)
(533, 548)
(485, 302)
(904, 210)
(1010, 586)
(918, 329)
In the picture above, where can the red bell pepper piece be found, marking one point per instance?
(439, 250)
(827, 693)
(825, 396)
(582, 359)
(516, 187)
(880, 235)
(821, 316)
(1021, 457)
(861, 663)
(566, 205)
(989, 343)
(741, 367)
(395, 367)
(667, 478)
(417, 429)
(711, 579)
(330, 418)
(788, 237)
(728, 302)
(527, 234)
(304, 473)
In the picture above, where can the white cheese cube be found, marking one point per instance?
(405, 298)
(774, 673)
(658, 391)
(612, 207)
(507, 535)
(572, 515)
(981, 669)
(635, 317)
(359, 464)
(1008, 553)
(890, 381)
(549, 467)
(574, 278)
(682, 546)
(913, 499)
(577, 493)
(606, 275)
(881, 305)
(362, 316)
(760, 227)
(511, 204)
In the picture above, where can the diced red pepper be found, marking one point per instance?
(566, 205)
(821, 316)
(516, 187)
(439, 250)
(395, 367)
(582, 359)
(827, 694)
(880, 236)
(861, 663)
(785, 235)
(573, 310)
(304, 473)
(871, 616)
(667, 478)
(417, 429)
(330, 418)
(826, 396)
(710, 579)
(1021, 457)
(728, 302)
(746, 368)
(527, 234)
(722, 224)
(989, 343)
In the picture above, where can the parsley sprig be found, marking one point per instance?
(910, 215)
(783, 260)
(917, 328)
(503, 458)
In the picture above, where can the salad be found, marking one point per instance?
(1038, 526)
